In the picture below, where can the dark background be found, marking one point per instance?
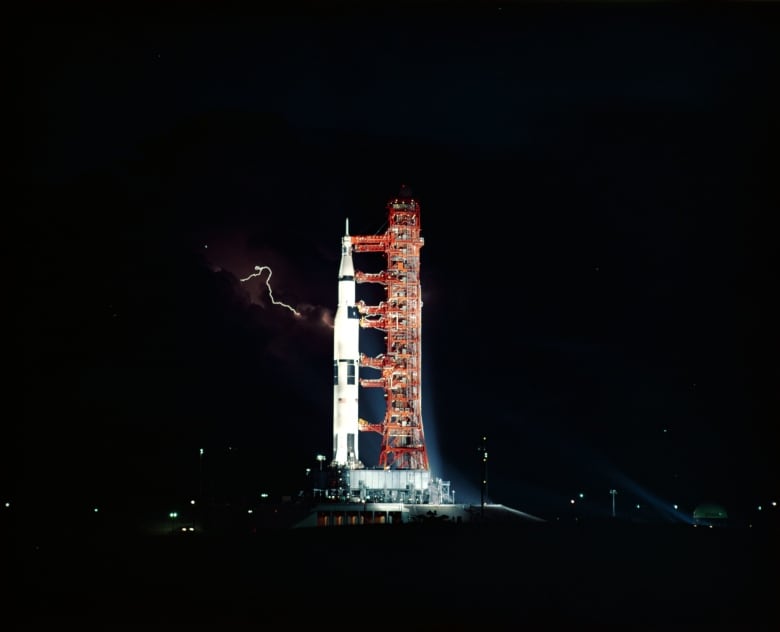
(598, 185)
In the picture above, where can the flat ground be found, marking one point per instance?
(432, 576)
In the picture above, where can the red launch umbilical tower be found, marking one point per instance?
(399, 316)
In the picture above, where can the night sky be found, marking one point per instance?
(597, 182)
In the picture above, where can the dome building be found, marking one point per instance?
(710, 514)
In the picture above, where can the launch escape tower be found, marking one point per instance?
(399, 316)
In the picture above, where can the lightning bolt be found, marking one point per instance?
(259, 271)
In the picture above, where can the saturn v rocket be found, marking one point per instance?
(346, 363)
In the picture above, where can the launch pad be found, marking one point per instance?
(402, 474)
(412, 487)
(376, 513)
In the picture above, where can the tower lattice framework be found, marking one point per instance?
(399, 316)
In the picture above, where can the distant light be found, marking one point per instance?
(7, 504)
(263, 495)
(95, 510)
(173, 514)
(637, 505)
(664, 429)
(774, 503)
(572, 501)
(201, 451)
(192, 502)
(582, 495)
(249, 511)
(675, 506)
(759, 507)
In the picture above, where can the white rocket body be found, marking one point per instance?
(346, 359)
